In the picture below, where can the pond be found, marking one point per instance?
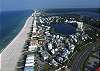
(65, 29)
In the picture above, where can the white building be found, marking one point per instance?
(80, 25)
(66, 21)
(41, 20)
(72, 47)
(49, 46)
(29, 66)
(45, 55)
(32, 48)
(54, 62)
(30, 60)
(58, 36)
(53, 51)
(34, 27)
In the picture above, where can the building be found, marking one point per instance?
(32, 48)
(29, 65)
(80, 25)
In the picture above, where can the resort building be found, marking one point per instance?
(80, 25)
(29, 65)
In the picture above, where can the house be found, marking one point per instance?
(29, 69)
(29, 65)
(49, 46)
(32, 48)
(66, 21)
(54, 62)
(80, 25)
(44, 55)
(34, 42)
(30, 60)
(72, 47)
(53, 51)
(34, 29)
(58, 36)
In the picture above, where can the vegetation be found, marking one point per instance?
(91, 21)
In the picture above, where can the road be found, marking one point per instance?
(83, 55)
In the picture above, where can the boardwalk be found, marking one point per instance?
(11, 53)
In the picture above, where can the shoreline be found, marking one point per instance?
(12, 35)
(10, 55)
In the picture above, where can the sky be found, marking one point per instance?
(6, 5)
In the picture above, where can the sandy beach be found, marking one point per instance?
(12, 52)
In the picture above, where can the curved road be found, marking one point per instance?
(83, 55)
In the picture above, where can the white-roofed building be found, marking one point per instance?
(45, 55)
(29, 69)
(56, 49)
(32, 48)
(47, 33)
(29, 60)
(66, 20)
(29, 65)
(60, 59)
(58, 36)
(49, 46)
(41, 20)
(54, 36)
(32, 14)
(80, 25)
(34, 30)
(72, 47)
(53, 51)
(54, 62)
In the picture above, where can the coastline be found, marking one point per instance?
(10, 55)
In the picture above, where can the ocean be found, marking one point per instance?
(11, 22)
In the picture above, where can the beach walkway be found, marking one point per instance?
(12, 52)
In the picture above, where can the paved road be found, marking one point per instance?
(83, 55)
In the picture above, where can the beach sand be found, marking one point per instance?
(12, 52)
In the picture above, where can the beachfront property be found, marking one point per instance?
(29, 65)
(46, 49)
(42, 39)
(38, 40)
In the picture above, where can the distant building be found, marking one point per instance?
(80, 25)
